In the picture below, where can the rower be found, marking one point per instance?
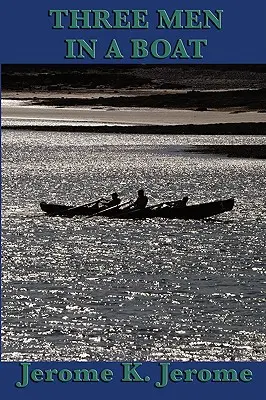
(178, 203)
(114, 202)
(141, 201)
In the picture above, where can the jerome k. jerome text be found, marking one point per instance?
(160, 377)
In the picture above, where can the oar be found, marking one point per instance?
(110, 208)
(147, 208)
(76, 207)
(135, 210)
(157, 205)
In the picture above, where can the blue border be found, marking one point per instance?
(10, 373)
(26, 34)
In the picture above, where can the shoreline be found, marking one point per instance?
(189, 100)
(235, 100)
(244, 128)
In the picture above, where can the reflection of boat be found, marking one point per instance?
(197, 211)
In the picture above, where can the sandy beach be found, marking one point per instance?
(184, 99)
(126, 115)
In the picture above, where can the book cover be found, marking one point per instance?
(133, 199)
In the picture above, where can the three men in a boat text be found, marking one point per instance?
(160, 48)
(160, 375)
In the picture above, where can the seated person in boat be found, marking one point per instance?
(141, 200)
(178, 203)
(114, 202)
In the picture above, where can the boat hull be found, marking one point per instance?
(197, 211)
(66, 211)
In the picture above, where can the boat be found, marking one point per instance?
(162, 210)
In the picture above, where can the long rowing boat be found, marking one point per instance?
(162, 210)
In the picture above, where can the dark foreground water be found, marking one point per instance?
(99, 289)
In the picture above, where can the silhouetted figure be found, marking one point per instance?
(114, 202)
(178, 203)
(141, 201)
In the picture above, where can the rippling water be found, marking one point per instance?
(99, 289)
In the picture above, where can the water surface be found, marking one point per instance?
(99, 289)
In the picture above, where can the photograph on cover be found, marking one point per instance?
(133, 212)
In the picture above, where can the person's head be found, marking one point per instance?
(141, 193)
(114, 196)
(185, 199)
